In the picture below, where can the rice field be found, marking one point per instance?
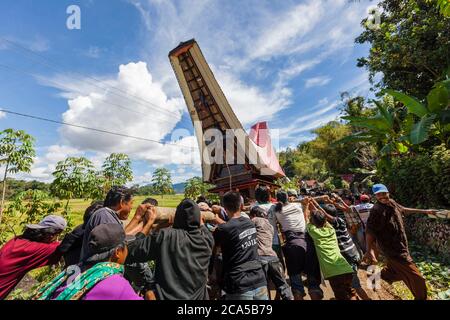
(77, 206)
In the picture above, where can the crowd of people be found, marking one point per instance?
(288, 242)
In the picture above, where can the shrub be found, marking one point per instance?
(421, 181)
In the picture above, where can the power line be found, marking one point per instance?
(67, 88)
(93, 129)
(47, 63)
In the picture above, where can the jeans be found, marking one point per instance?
(274, 271)
(256, 294)
(360, 239)
(297, 283)
(356, 284)
(215, 275)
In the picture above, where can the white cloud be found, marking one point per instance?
(144, 14)
(307, 33)
(185, 173)
(284, 30)
(131, 103)
(2, 115)
(325, 113)
(251, 103)
(142, 179)
(317, 81)
(179, 174)
(274, 42)
(294, 70)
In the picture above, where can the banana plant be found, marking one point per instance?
(433, 114)
(383, 129)
(444, 7)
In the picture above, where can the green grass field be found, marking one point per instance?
(78, 206)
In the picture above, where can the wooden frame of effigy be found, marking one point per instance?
(209, 109)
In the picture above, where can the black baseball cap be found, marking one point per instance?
(104, 238)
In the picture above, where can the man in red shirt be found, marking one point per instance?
(36, 248)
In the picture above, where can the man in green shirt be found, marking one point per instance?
(333, 265)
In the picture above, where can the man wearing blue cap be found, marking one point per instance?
(385, 227)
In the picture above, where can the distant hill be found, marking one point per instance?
(179, 187)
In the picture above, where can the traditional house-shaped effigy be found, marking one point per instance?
(209, 109)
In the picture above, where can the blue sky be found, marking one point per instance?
(284, 62)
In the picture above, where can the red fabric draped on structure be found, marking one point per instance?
(259, 134)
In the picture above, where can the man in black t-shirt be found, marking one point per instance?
(243, 276)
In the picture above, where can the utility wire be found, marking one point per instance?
(95, 82)
(69, 89)
(93, 129)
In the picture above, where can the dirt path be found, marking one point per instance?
(383, 293)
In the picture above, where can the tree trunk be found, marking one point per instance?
(165, 214)
(4, 191)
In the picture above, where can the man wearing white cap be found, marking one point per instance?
(35, 248)
(385, 227)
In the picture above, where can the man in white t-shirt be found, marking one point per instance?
(364, 208)
(298, 249)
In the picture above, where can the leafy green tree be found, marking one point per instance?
(117, 170)
(323, 155)
(308, 166)
(444, 7)
(26, 207)
(16, 154)
(410, 49)
(354, 106)
(195, 187)
(162, 181)
(75, 177)
(420, 180)
(14, 187)
(328, 184)
(339, 158)
(291, 183)
(145, 190)
(287, 159)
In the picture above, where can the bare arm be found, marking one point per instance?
(324, 198)
(218, 220)
(408, 211)
(317, 207)
(340, 204)
(151, 220)
(306, 211)
(370, 255)
(133, 226)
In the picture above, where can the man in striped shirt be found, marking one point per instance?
(346, 245)
(356, 217)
